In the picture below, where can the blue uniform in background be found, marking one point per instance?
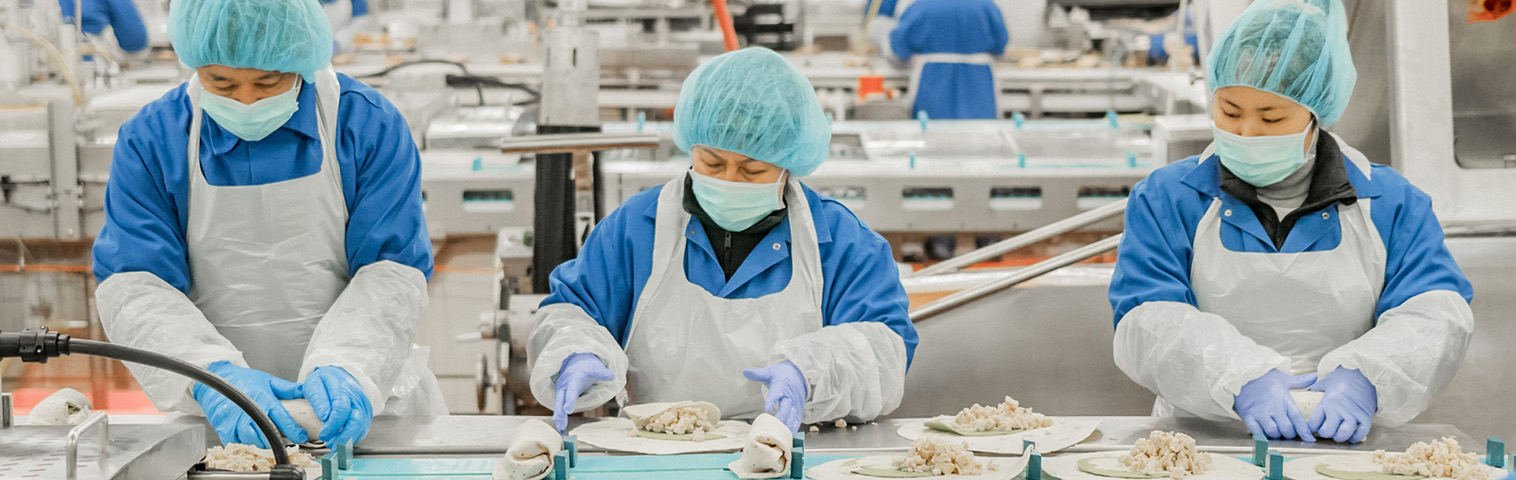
(146, 201)
(121, 15)
(861, 281)
(956, 27)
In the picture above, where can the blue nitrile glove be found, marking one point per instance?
(345, 412)
(231, 423)
(1266, 406)
(787, 391)
(1347, 410)
(580, 371)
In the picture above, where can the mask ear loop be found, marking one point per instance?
(1313, 132)
(784, 185)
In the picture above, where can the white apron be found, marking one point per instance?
(267, 261)
(687, 344)
(920, 61)
(1302, 305)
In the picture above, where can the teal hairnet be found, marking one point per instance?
(755, 103)
(1297, 49)
(274, 35)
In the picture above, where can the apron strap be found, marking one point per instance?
(328, 102)
(805, 248)
(194, 90)
(668, 236)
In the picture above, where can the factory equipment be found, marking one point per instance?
(168, 446)
(567, 186)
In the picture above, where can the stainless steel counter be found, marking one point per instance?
(488, 435)
(134, 451)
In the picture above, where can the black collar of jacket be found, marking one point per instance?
(1329, 185)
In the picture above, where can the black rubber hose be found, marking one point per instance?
(127, 354)
(424, 61)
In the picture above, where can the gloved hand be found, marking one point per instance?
(339, 402)
(1266, 406)
(1347, 410)
(231, 423)
(787, 391)
(580, 371)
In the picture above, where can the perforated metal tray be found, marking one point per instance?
(135, 451)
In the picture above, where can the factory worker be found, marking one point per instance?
(951, 46)
(733, 283)
(121, 16)
(264, 221)
(1281, 259)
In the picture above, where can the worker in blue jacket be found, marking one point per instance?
(1281, 263)
(120, 15)
(951, 46)
(733, 283)
(264, 221)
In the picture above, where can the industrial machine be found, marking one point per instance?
(136, 451)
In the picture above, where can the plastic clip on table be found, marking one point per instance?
(1276, 466)
(1494, 452)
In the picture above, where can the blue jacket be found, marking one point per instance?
(121, 15)
(861, 282)
(1165, 210)
(146, 200)
(952, 26)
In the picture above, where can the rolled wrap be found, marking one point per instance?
(767, 451)
(530, 454)
(300, 409)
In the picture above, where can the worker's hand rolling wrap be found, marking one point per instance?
(345, 412)
(231, 423)
(1267, 408)
(1347, 410)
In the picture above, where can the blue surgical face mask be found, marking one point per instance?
(256, 121)
(735, 206)
(1261, 161)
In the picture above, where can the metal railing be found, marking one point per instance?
(964, 297)
(969, 295)
(1026, 239)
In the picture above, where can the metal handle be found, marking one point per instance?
(577, 142)
(7, 413)
(962, 298)
(72, 446)
(1022, 241)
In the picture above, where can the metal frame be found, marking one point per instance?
(965, 297)
(71, 458)
(1421, 119)
(1026, 239)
